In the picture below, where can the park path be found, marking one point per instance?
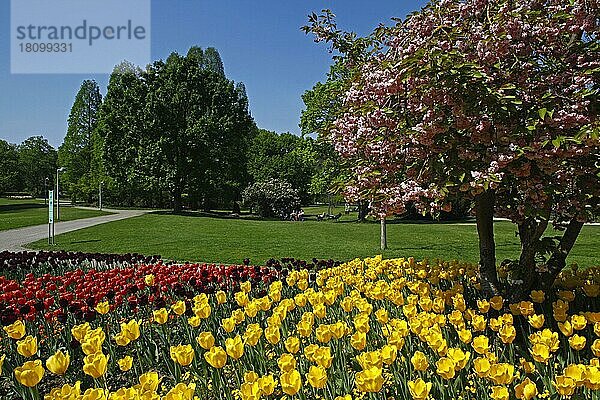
(16, 239)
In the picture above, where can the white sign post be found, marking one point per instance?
(51, 217)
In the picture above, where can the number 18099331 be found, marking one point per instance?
(35, 47)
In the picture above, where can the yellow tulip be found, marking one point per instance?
(577, 342)
(537, 296)
(323, 333)
(95, 364)
(102, 307)
(446, 367)
(252, 334)
(182, 354)
(323, 357)
(579, 322)
(369, 380)
(536, 320)
(2, 362)
(564, 385)
(203, 311)
(292, 344)
(16, 330)
(27, 347)
(250, 391)
(216, 357)
(228, 324)
(179, 307)
(497, 302)
(206, 340)
(286, 362)
(250, 377)
(266, 384)
(481, 344)
(502, 373)
(234, 347)
(58, 363)
(149, 279)
(358, 340)
(92, 344)
(120, 339)
(526, 390)
(221, 297)
(95, 394)
(507, 334)
(125, 394)
(181, 391)
(419, 389)
(291, 382)
(595, 347)
(459, 357)
(66, 392)
(317, 377)
(131, 329)
(540, 352)
(388, 354)
(527, 366)
(272, 334)
(148, 382)
(30, 373)
(419, 361)
(160, 316)
(79, 331)
(194, 321)
(125, 363)
(499, 393)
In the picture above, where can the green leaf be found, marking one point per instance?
(542, 113)
(556, 142)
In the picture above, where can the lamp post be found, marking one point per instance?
(58, 170)
(100, 196)
(45, 190)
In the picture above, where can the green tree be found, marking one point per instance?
(37, 164)
(76, 152)
(178, 128)
(285, 157)
(9, 167)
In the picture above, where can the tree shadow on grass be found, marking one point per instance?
(85, 241)
(22, 206)
(215, 214)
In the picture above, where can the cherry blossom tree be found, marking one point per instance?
(494, 101)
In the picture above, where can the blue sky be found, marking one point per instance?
(260, 43)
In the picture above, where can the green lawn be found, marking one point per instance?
(214, 239)
(20, 213)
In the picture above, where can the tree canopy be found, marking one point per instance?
(492, 101)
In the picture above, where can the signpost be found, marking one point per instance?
(51, 217)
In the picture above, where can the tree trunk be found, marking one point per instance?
(177, 200)
(363, 210)
(558, 260)
(484, 209)
(383, 234)
(524, 277)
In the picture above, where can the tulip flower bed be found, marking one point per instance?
(15, 265)
(373, 328)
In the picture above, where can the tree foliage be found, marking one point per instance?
(494, 101)
(76, 154)
(284, 157)
(175, 131)
(37, 164)
(9, 167)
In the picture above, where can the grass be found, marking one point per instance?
(20, 213)
(221, 239)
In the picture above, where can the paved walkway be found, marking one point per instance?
(16, 239)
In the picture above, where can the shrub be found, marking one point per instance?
(272, 198)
